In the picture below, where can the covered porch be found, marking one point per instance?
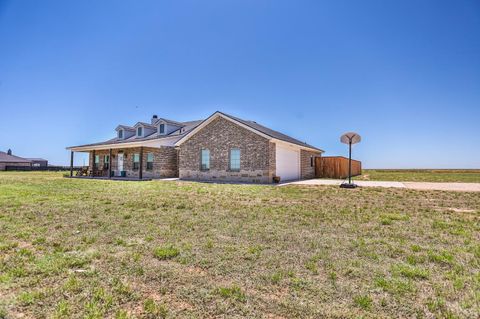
(127, 163)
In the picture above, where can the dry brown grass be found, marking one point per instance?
(94, 249)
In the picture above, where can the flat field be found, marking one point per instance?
(421, 175)
(74, 248)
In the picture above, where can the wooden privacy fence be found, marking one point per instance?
(335, 167)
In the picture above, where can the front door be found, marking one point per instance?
(120, 163)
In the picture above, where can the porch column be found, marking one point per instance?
(110, 163)
(71, 163)
(93, 163)
(140, 173)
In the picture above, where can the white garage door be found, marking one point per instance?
(287, 162)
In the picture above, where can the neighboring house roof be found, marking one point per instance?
(5, 158)
(37, 159)
(188, 129)
(254, 126)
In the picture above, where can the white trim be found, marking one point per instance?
(124, 127)
(148, 143)
(296, 145)
(143, 130)
(164, 127)
(219, 114)
(209, 120)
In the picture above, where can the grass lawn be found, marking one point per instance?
(74, 248)
(421, 175)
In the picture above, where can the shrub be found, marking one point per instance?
(167, 252)
(363, 301)
(233, 292)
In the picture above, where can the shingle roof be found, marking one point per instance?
(169, 121)
(190, 125)
(5, 158)
(186, 127)
(270, 132)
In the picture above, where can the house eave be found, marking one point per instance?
(105, 146)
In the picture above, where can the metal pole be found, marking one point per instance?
(350, 162)
(71, 164)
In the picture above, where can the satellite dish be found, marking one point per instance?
(350, 138)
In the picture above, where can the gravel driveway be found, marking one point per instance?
(460, 187)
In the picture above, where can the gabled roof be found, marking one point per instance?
(37, 159)
(169, 122)
(186, 127)
(253, 126)
(5, 158)
(125, 127)
(144, 125)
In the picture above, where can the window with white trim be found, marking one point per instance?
(161, 128)
(235, 159)
(136, 161)
(106, 161)
(97, 160)
(205, 160)
(120, 134)
(139, 131)
(149, 161)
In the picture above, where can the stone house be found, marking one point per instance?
(220, 148)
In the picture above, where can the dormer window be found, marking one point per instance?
(161, 128)
(120, 134)
(139, 131)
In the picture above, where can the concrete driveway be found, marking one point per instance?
(460, 187)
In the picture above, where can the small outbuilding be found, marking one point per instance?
(38, 162)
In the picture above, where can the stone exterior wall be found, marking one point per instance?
(164, 162)
(257, 159)
(307, 158)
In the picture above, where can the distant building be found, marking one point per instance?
(7, 159)
(38, 162)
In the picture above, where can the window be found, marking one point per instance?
(235, 159)
(106, 161)
(312, 161)
(205, 160)
(97, 160)
(150, 161)
(120, 134)
(161, 128)
(136, 161)
(139, 131)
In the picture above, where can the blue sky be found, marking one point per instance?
(404, 74)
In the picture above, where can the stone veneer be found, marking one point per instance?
(307, 163)
(257, 159)
(257, 154)
(164, 162)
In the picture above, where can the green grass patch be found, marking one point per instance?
(167, 252)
